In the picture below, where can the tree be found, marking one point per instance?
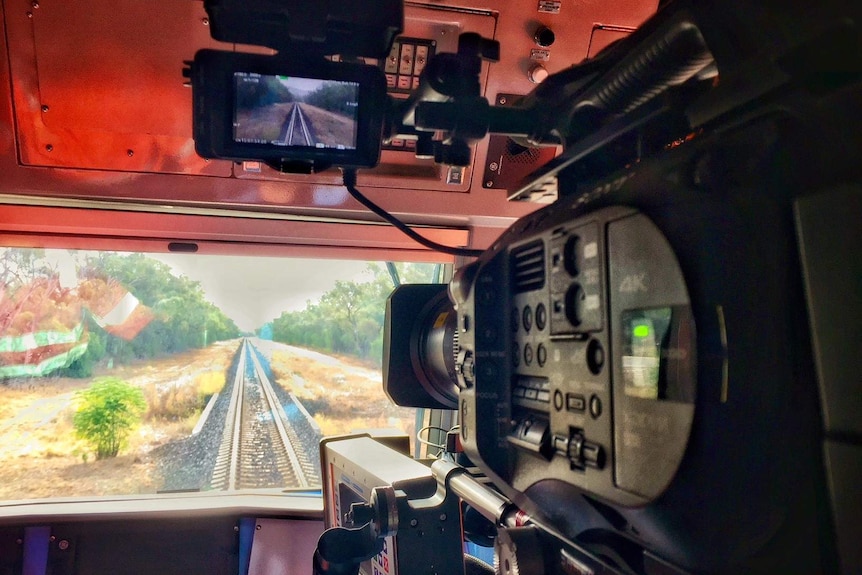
(349, 318)
(108, 412)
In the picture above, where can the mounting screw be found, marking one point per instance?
(502, 100)
(52, 538)
(257, 527)
(45, 107)
(29, 14)
(130, 153)
(63, 545)
(442, 517)
(205, 21)
(489, 183)
(414, 522)
(49, 148)
(35, 4)
(19, 541)
(236, 528)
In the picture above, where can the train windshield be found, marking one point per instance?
(131, 373)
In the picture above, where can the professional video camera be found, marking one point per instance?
(630, 366)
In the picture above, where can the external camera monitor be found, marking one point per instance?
(251, 107)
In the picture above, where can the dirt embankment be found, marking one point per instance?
(262, 123)
(330, 129)
(41, 457)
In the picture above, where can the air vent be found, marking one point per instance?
(528, 266)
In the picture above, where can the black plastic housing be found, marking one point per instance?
(214, 91)
(346, 27)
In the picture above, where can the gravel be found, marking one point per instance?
(187, 464)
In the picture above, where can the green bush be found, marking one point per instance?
(107, 413)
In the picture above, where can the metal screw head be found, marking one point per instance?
(502, 100)
(52, 538)
(442, 517)
(130, 153)
(236, 528)
(205, 21)
(489, 183)
(29, 14)
(257, 527)
(414, 522)
(49, 148)
(35, 4)
(45, 107)
(63, 545)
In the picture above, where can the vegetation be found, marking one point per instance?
(108, 412)
(334, 97)
(183, 318)
(37, 298)
(348, 319)
(266, 91)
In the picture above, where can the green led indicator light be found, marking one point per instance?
(641, 330)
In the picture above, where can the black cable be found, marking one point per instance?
(350, 184)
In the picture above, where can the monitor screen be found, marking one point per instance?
(293, 111)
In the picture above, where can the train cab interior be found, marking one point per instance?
(430, 287)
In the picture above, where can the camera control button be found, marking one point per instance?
(575, 402)
(541, 316)
(595, 356)
(528, 354)
(528, 318)
(595, 406)
(541, 354)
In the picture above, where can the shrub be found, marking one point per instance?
(107, 413)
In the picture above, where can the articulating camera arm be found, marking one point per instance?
(565, 108)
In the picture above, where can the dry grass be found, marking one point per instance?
(343, 398)
(263, 123)
(41, 457)
(330, 129)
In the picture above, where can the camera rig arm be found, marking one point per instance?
(564, 108)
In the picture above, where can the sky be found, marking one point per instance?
(253, 291)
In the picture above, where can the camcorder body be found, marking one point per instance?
(631, 365)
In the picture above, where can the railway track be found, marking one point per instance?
(296, 131)
(265, 442)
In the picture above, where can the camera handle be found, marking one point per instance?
(453, 81)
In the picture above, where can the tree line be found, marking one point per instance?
(181, 317)
(348, 319)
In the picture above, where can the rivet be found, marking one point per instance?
(205, 21)
(49, 148)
